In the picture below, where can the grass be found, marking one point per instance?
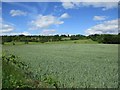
(71, 65)
(0, 66)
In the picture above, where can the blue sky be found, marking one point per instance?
(49, 18)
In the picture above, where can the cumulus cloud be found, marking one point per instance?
(62, 0)
(24, 33)
(68, 5)
(65, 15)
(89, 0)
(42, 22)
(17, 13)
(6, 27)
(48, 31)
(103, 5)
(16, 33)
(107, 27)
(99, 18)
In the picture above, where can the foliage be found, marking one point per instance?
(70, 65)
(106, 38)
(12, 76)
(77, 37)
(103, 38)
(17, 74)
(26, 39)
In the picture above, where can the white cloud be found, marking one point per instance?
(99, 18)
(68, 5)
(42, 22)
(107, 27)
(61, 0)
(103, 5)
(6, 27)
(89, 0)
(65, 15)
(48, 31)
(16, 33)
(25, 33)
(18, 13)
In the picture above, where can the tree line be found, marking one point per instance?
(101, 38)
(106, 38)
(42, 39)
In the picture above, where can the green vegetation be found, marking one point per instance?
(104, 38)
(75, 61)
(0, 66)
(12, 75)
(84, 41)
(64, 65)
(17, 74)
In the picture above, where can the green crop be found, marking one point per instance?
(71, 65)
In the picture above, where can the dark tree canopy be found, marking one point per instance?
(101, 38)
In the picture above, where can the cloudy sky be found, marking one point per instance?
(49, 18)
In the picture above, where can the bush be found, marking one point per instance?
(26, 42)
(13, 43)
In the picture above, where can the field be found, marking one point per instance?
(71, 65)
(0, 67)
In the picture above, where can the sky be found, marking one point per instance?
(51, 18)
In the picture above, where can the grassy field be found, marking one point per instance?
(0, 66)
(71, 65)
(84, 41)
